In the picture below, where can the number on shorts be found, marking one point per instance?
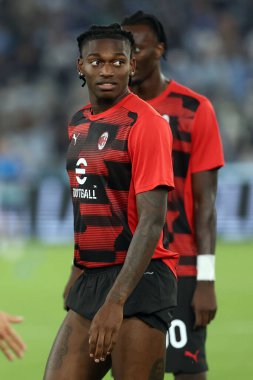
(177, 334)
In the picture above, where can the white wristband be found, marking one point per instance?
(205, 267)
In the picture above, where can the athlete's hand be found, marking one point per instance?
(104, 330)
(75, 273)
(10, 342)
(204, 303)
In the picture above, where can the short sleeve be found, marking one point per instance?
(70, 133)
(150, 146)
(70, 129)
(207, 152)
(76, 120)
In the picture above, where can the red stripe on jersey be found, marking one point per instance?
(184, 243)
(115, 155)
(121, 135)
(120, 256)
(77, 254)
(182, 146)
(93, 209)
(72, 179)
(77, 130)
(118, 199)
(104, 238)
(96, 264)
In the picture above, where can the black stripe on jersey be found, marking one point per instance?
(77, 265)
(180, 135)
(100, 220)
(180, 163)
(97, 256)
(76, 119)
(180, 224)
(120, 145)
(188, 101)
(133, 116)
(166, 236)
(119, 175)
(123, 240)
(187, 260)
(96, 129)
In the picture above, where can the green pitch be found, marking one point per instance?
(32, 277)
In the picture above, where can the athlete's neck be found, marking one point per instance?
(151, 87)
(99, 105)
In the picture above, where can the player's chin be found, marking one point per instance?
(108, 95)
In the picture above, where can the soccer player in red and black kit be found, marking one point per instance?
(197, 154)
(120, 170)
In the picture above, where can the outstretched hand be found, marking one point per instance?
(10, 342)
(204, 303)
(104, 330)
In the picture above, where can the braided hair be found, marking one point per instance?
(112, 31)
(141, 18)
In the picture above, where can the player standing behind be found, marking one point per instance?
(120, 171)
(197, 154)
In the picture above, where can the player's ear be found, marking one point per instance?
(79, 67)
(79, 64)
(132, 66)
(159, 50)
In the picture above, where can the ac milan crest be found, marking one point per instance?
(102, 140)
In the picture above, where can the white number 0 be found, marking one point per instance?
(177, 335)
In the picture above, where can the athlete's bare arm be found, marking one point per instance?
(74, 274)
(204, 185)
(151, 207)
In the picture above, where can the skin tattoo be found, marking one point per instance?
(58, 355)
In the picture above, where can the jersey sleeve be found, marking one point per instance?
(150, 146)
(71, 128)
(70, 133)
(75, 120)
(207, 152)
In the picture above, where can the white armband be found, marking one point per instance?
(205, 267)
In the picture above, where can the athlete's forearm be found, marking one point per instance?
(151, 210)
(205, 227)
(204, 195)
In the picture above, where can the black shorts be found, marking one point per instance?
(153, 300)
(186, 346)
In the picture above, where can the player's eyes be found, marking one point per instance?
(118, 63)
(95, 63)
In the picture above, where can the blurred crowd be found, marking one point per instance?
(210, 49)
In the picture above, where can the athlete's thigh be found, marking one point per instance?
(186, 345)
(139, 353)
(69, 357)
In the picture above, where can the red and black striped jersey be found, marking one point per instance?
(112, 157)
(196, 147)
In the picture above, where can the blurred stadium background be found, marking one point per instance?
(210, 50)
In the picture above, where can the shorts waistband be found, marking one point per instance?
(107, 268)
(101, 269)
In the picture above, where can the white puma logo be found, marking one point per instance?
(75, 137)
